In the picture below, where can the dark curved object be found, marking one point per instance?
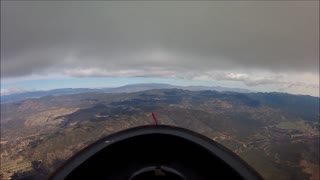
(155, 152)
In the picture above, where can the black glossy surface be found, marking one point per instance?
(121, 155)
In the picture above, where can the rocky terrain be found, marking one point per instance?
(276, 133)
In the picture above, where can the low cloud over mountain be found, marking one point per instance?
(257, 43)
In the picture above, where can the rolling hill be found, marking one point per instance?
(276, 133)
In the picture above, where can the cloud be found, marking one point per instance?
(281, 80)
(96, 72)
(238, 41)
(12, 91)
(251, 80)
(260, 79)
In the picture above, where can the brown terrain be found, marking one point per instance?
(277, 134)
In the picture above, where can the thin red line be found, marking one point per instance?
(154, 118)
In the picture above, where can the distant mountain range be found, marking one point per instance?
(127, 89)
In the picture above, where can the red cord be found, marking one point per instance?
(154, 118)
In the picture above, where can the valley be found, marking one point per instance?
(265, 129)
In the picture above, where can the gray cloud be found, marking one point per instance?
(254, 80)
(166, 39)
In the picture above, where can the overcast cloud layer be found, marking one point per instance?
(257, 43)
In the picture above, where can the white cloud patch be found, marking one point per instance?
(12, 91)
(100, 72)
(305, 82)
(302, 83)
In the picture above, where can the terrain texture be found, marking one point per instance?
(276, 133)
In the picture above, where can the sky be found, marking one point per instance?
(258, 45)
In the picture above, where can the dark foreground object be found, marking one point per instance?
(155, 152)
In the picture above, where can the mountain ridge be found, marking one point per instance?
(126, 88)
(16, 97)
